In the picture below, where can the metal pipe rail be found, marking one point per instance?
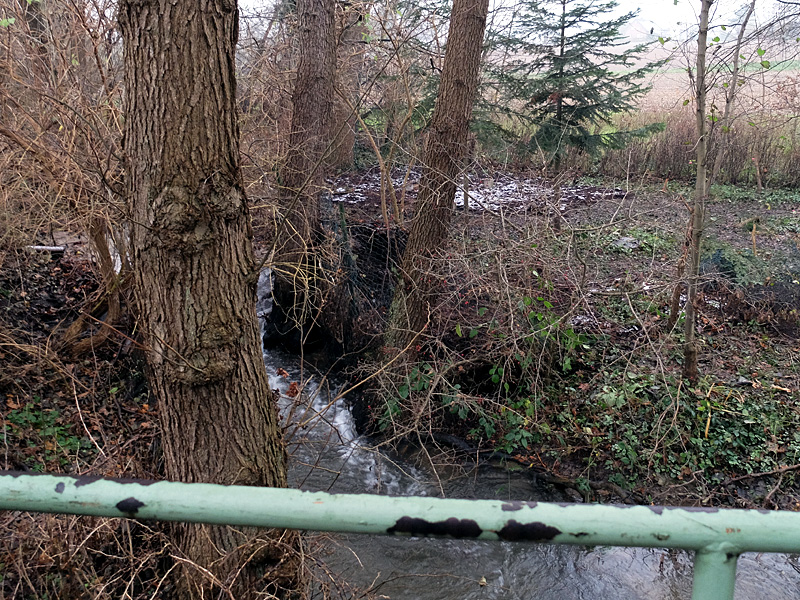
(718, 536)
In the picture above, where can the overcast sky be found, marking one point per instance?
(669, 18)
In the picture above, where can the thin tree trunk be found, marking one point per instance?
(559, 93)
(730, 96)
(37, 24)
(195, 282)
(445, 148)
(690, 351)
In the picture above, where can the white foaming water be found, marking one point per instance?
(264, 296)
(326, 452)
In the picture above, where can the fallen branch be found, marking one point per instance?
(779, 471)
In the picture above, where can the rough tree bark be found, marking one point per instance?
(300, 281)
(690, 350)
(350, 59)
(445, 147)
(195, 282)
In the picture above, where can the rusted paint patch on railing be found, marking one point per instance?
(512, 531)
(129, 506)
(456, 528)
(527, 532)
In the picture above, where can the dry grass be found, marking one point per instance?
(767, 142)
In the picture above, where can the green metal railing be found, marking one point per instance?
(718, 536)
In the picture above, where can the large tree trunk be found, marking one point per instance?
(300, 279)
(195, 279)
(445, 148)
(350, 58)
(690, 350)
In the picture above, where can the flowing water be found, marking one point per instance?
(329, 455)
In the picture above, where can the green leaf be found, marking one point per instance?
(760, 52)
(7, 22)
(685, 102)
(458, 330)
(765, 64)
(472, 333)
(403, 391)
(482, 311)
(724, 28)
(716, 39)
(661, 40)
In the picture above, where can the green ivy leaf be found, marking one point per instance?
(7, 22)
(760, 51)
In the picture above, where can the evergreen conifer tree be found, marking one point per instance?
(572, 71)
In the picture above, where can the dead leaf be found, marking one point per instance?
(293, 390)
(282, 372)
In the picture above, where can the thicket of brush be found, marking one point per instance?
(61, 169)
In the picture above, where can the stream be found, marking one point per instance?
(327, 454)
